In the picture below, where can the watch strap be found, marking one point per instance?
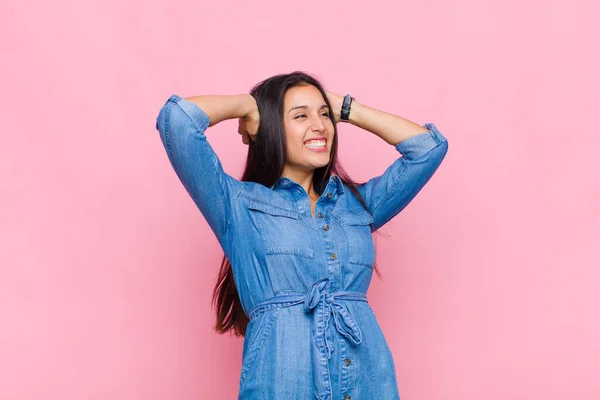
(345, 113)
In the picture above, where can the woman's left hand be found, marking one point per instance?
(336, 102)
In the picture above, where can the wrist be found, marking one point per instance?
(247, 105)
(355, 112)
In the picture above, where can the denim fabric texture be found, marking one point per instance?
(302, 280)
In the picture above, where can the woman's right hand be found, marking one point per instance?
(248, 124)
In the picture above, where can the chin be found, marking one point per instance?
(321, 165)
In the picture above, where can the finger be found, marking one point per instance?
(252, 129)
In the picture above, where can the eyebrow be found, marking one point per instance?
(294, 108)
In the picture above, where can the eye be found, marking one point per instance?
(326, 113)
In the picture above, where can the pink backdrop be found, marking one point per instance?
(107, 267)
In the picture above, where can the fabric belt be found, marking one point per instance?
(320, 298)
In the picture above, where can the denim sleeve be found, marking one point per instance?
(181, 124)
(388, 194)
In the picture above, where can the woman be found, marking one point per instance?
(297, 232)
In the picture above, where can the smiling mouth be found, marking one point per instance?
(316, 144)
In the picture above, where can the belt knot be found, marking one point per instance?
(319, 293)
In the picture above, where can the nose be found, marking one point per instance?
(319, 125)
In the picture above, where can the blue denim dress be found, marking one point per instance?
(302, 280)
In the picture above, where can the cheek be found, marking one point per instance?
(294, 137)
(294, 145)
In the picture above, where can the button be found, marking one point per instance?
(332, 256)
(329, 195)
(348, 361)
(326, 228)
(320, 215)
(347, 397)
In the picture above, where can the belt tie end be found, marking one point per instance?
(344, 321)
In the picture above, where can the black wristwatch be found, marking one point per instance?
(345, 113)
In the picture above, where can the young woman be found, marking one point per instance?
(297, 232)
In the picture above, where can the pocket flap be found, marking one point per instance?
(357, 216)
(272, 210)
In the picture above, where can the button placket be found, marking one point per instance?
(347, 371)
(329, 233)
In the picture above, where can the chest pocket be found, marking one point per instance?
(356, 224)
(282, 230)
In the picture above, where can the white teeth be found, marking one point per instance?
(315, 143)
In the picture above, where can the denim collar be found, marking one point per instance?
(284, 182)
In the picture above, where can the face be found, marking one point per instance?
(306, 118)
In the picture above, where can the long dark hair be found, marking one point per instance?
(264, 165)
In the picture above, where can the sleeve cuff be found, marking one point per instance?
(421, 144)
(196, 114)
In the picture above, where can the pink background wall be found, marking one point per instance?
(490, 286)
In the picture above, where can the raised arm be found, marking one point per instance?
(181, 123)
(422, 148)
